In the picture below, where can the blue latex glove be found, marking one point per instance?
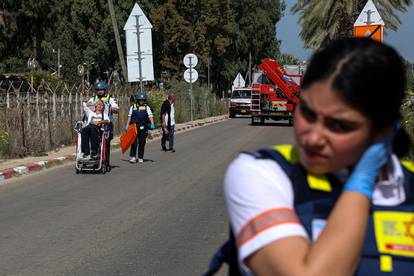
(126, 127)
(152, 126)
(363, 176)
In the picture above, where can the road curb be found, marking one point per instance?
(46, 164)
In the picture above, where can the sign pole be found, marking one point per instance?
(139, 52)
(191, 90)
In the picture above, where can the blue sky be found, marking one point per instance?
(288, 32)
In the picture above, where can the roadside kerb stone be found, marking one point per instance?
(45, 164)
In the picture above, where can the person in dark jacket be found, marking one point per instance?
(141, 115)
(167, 117)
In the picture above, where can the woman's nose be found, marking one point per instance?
(316, 137)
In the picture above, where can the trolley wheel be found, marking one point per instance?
(108, 168)
(77, 171)
(103, 170)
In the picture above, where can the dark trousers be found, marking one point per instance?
(90, 134)
(169, 136)
(140, 142)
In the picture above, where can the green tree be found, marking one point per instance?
(323, 21)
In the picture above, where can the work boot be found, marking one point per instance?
(171, 149)
(163, 147)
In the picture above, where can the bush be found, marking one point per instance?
(408, 121)
(5, 144)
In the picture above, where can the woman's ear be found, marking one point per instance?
(379, 135)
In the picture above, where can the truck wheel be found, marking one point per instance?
(262, 120)
(253, 121)
(232, 115)
(290, 121)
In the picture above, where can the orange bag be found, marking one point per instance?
(128, 137)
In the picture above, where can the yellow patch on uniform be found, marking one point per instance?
(289, 152)
(409, 165)
(142, 107)
(385, 263)
(319, 182)
(394, 233)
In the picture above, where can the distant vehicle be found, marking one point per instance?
(240, 101)
(275, 92)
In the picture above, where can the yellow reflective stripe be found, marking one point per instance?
(409, 165)
(289, 152)
(319, 182)
(316, 182)
(385, 263)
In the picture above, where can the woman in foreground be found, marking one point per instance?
(339, 202)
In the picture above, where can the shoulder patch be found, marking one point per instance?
(409, 165)
(289, 152)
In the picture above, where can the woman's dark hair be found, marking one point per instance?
(368, 75)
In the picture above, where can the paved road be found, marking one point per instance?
(165, 216)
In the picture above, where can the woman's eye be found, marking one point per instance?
(339, 126)
(307, 113)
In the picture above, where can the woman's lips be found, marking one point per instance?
(312, 154)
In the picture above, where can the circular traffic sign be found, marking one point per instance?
(81, 70)
(190, 59)
(194, 75)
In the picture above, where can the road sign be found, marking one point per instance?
(369, 23)
(372, 31)
(145, 46)
(81, 70)
(369, 16)
(194, 75)
(239, 81)
(190, 58)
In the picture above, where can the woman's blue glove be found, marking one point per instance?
(363, 176)
(152, 126)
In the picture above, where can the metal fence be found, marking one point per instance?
(41, 118)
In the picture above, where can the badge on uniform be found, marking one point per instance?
(142, 107)
(394, 232)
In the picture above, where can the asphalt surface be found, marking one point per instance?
(165, 216)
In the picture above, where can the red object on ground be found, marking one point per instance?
(128, 137)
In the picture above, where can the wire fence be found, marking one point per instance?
(41, 118)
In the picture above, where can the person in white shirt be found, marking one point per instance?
(335, 203)
(111, 107)
(90, 133)
(167, 116)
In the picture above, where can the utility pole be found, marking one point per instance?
(118, 40)
(58, 65)
(250, 69)
(208, 73)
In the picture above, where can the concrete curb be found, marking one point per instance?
(45, 164)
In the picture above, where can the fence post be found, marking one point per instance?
(28, 117)
(76, 105)
(62, 105)
(37, 107)
(8, 99)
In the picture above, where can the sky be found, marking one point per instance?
(288, 32)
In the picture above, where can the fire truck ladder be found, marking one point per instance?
(255, 105)
(273, 72)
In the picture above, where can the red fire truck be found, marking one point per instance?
(275, 92)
